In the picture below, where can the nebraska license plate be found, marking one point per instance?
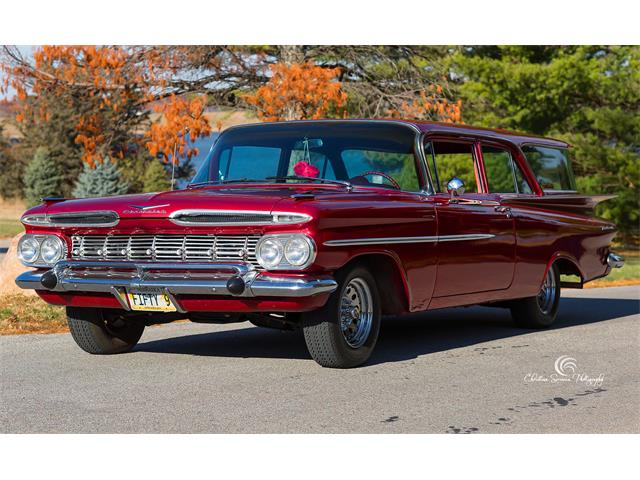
(151, 302)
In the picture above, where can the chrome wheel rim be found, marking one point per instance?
(356, 312)
(547, 295)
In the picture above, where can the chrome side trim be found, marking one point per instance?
(270, 218)
(399, 240)
(458, 238)
(49, 220)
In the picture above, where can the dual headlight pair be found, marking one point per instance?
(41, 250)
(285, 251)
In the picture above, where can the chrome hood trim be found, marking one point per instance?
(93, 218)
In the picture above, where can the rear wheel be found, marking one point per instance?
(539, 311)
(103, 332)
(344, 332)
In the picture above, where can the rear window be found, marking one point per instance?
(551, 167)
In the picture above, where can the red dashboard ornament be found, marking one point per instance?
(304, 169)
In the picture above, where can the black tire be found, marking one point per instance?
(103, 332)
(322, 328)
(533, 312)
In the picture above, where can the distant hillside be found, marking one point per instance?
(227, 119)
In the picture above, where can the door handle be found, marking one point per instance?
(505, 210)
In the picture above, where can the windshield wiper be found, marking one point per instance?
(223, 182)
(313, 179)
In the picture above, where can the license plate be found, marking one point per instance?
(151, 302)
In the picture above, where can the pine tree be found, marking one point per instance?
(42, 177)
(102, 181)
(155, 178)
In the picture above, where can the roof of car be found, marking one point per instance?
(462, 130)
(518, 138)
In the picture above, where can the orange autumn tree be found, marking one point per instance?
(108, 92)
(431, 104)
(299, 91)
(182, 118)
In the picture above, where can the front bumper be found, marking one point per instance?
(220, 279)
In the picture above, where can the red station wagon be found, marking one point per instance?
(325, 226)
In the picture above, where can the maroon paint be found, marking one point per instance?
(510, 265)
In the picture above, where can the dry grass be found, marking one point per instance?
(10, 213)
(23, 314)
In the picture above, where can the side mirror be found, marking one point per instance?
(455, 188)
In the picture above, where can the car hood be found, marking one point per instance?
(161, 205)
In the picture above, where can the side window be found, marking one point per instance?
(523, 185)
(551, 167)
(455, 160)
(498, 167)
(503, 174)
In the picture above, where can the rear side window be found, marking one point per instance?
(503, 174)
(551, 167)
(499, 170)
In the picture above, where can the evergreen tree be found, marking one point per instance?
(586, 95)
(42, 177)
(156, 178)
(102, 181)
(11, 169)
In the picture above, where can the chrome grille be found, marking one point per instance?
(171, 248)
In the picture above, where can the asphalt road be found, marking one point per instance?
(452, 371)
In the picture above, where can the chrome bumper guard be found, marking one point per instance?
(615, 261)
(233, 279)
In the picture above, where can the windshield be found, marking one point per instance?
(368, 153)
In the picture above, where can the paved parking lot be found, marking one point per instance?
(461, 370)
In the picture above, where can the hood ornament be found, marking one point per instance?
(157, 209)
(149, 207)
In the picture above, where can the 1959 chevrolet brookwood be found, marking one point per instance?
(325, 226)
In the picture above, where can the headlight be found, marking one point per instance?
(269, 252)
(285, 251)
(41, 250)
(51, 249)
(28, 249)
(297, 251)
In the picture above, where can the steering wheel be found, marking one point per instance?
(375, 172)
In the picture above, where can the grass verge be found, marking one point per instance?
(29, 314)
(627, 275)
(9, 228)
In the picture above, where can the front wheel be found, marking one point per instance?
(343, 333)
(103, 332)
(539, 311)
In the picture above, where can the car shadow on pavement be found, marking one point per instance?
(401, 338)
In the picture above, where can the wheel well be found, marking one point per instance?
(393, 293)
(567, 267)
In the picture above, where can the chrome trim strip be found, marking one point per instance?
(273, 221)
(399, 240)
(49, 219)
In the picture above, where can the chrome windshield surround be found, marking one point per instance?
(95, 218)
(399, 240)
(212, 218)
